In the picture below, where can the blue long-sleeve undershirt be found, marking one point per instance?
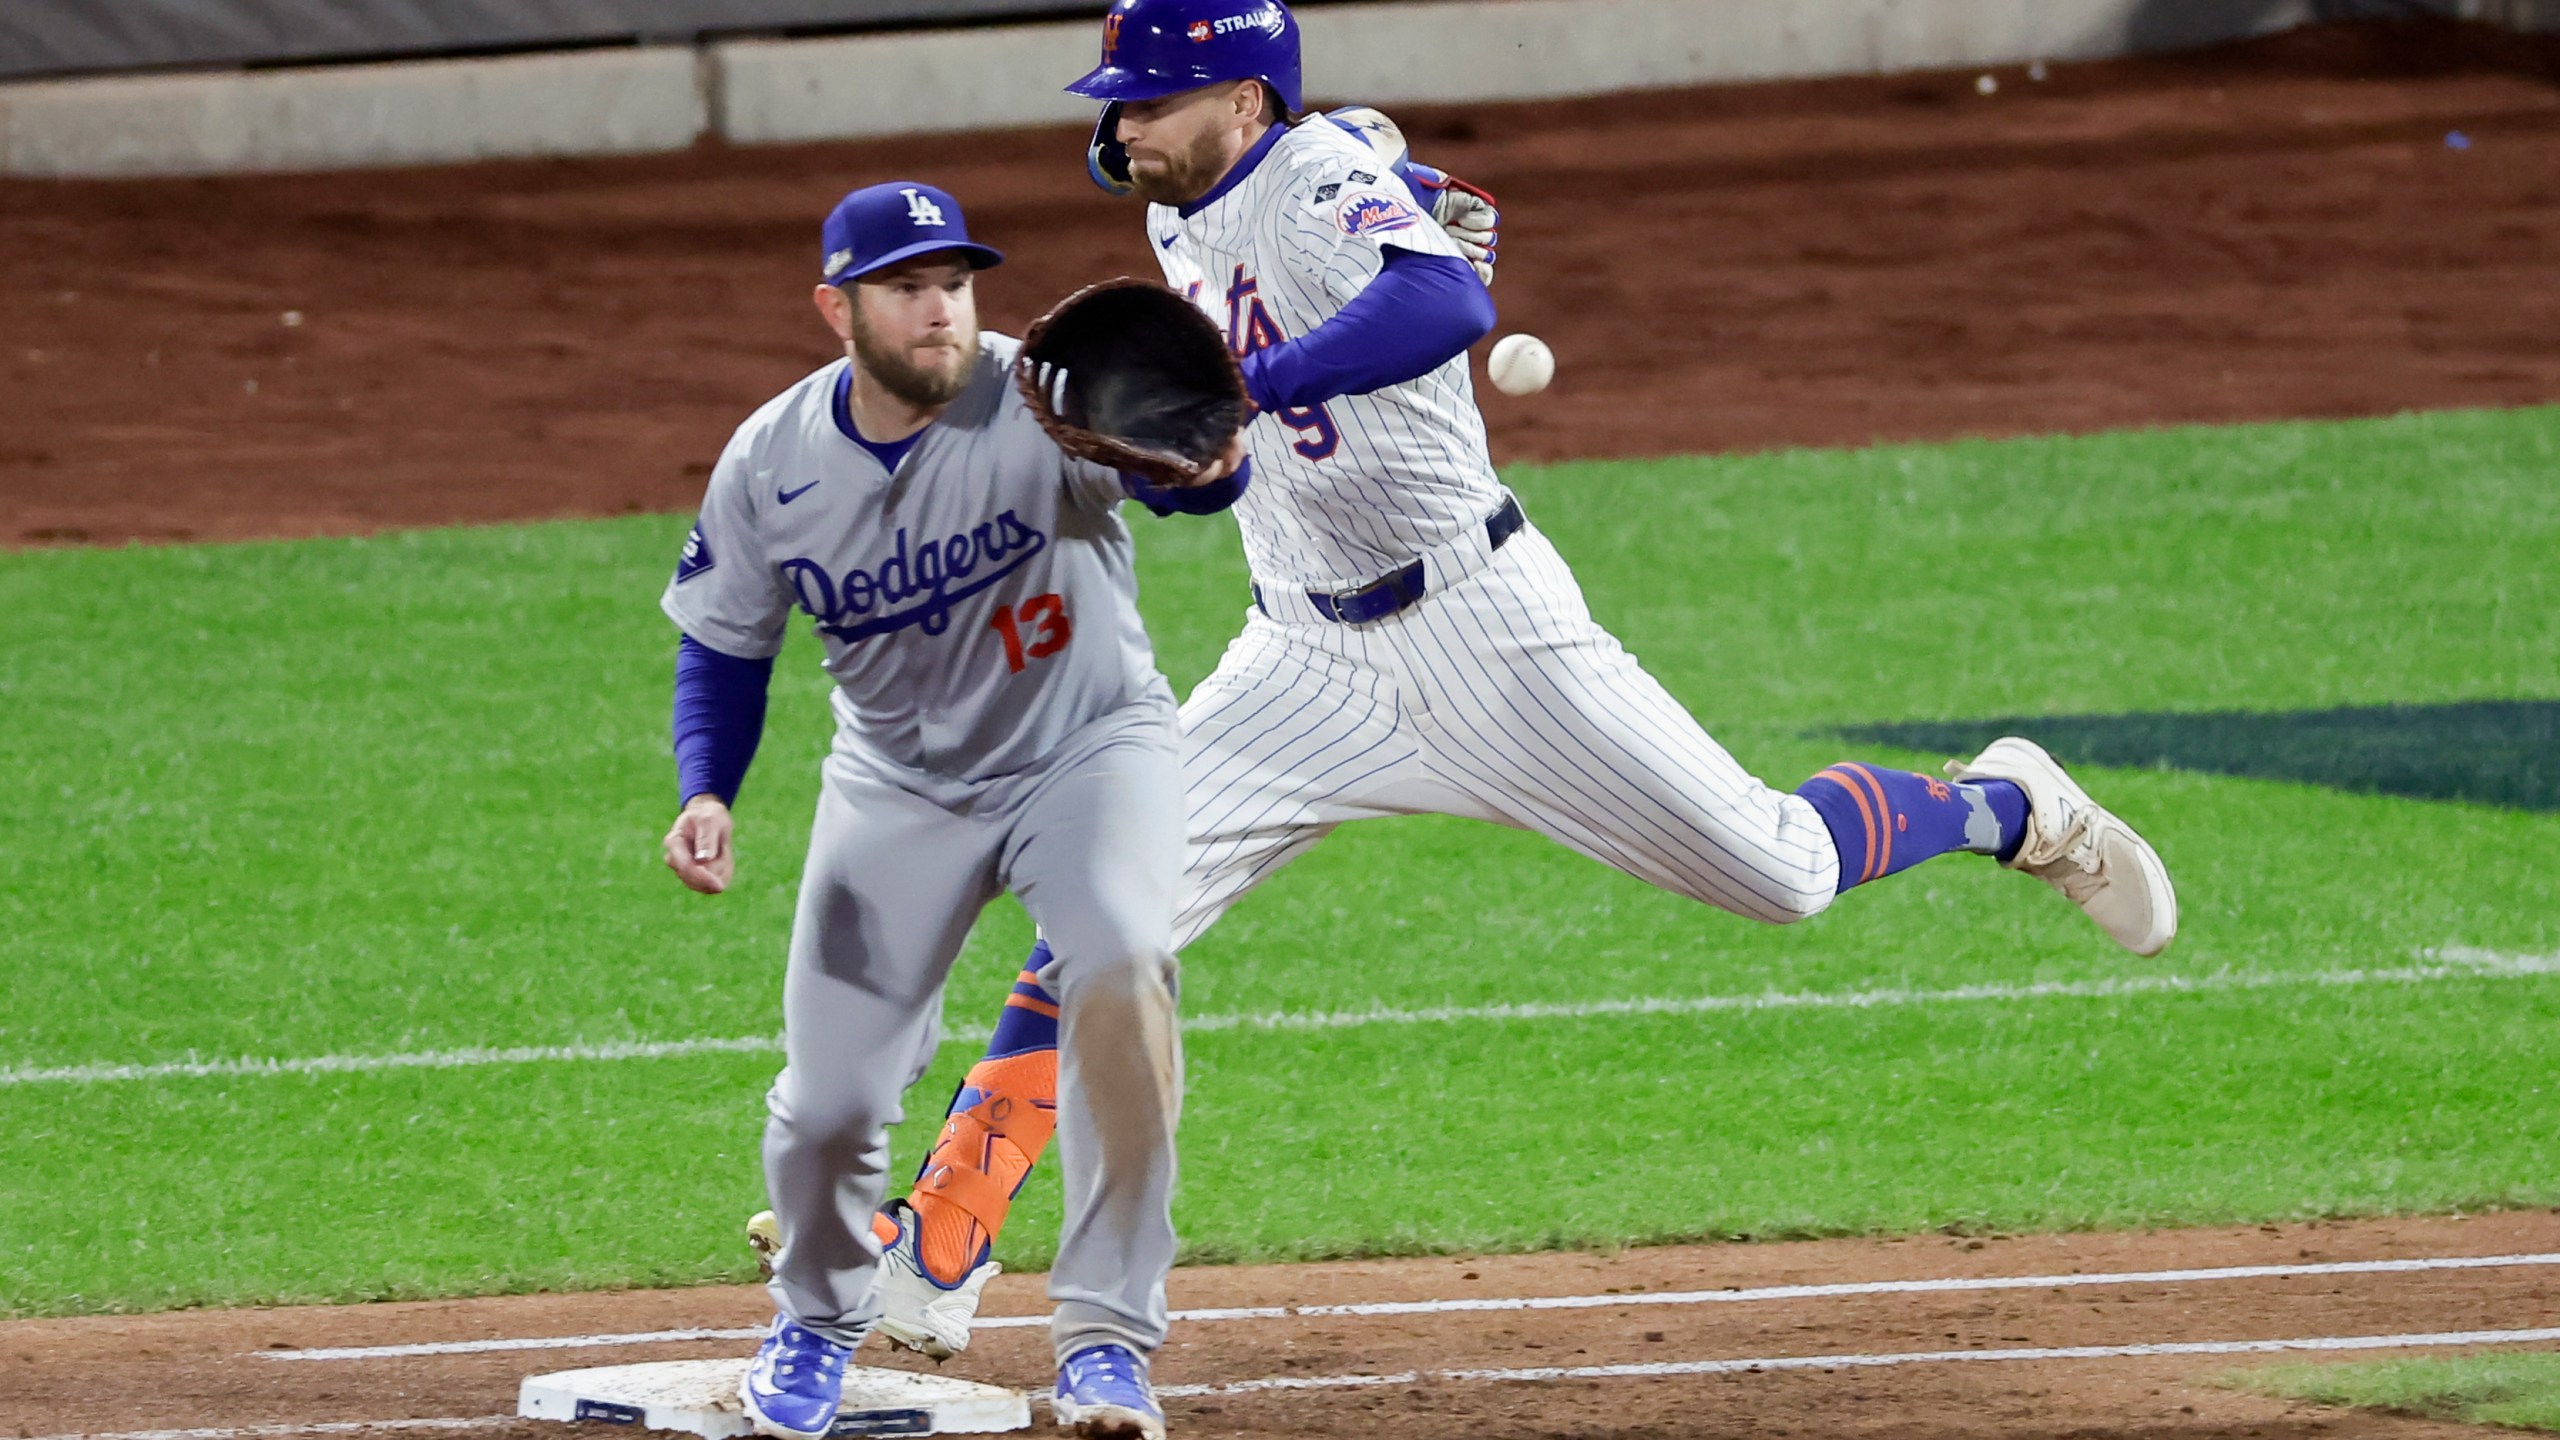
(1206, 499)
(719, 719)
(1421, 311)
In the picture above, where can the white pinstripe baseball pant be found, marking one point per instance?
(1496, 697)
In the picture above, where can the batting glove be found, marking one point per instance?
(1466, 211)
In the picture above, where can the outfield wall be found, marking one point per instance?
(638, 99)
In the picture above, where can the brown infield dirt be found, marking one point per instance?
(117, 1375)
(2275, 230)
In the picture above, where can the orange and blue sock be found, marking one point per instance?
(1886, 821)
(999, 1123)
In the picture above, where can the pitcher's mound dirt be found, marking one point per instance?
(2346, 221)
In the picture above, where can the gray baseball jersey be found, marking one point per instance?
(1001, 725)
(978, 606)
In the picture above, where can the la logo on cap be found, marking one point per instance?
(921, 209)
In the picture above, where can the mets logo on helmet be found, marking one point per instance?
(1110, 35)
(1373, 214)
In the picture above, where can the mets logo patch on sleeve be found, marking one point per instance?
(696, 557)
(1373, 214)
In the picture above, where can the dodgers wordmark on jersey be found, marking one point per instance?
(1353, 488)
(936, 683)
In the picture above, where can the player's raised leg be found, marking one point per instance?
(2080, 847)
(2012, 802)
(1569, 734)
(1534, 707)
(1293, 735)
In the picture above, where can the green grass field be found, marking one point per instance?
(2519, 1390)
(402, 796)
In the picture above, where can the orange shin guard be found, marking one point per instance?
(1001, 1121)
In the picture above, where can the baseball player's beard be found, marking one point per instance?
(1178, 179)
(920, 385)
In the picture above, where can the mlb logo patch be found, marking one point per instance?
(1200, 32)
(696, 557)
(1373, 214)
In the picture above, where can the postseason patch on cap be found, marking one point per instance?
(696, 557)
(837, 261)
(1373, 214)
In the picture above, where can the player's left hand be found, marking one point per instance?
(1466, 211)
(698, 848)
(1228, 462)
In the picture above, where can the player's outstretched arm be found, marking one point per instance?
(1421, 312)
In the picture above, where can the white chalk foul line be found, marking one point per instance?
(1764, 1364)
(1535, 1302)
(408, 1060)
(1647, 1370)
(2451, 963)
(332, 1427)
(542, 1342)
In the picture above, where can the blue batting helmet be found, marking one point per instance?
(1155, 48)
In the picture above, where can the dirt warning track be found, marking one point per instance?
(2348, 221)
(1927, 1336)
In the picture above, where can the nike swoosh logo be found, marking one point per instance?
(1167, 241)
(785, 497)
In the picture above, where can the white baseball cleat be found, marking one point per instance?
(917, 1312)
(2080, 848)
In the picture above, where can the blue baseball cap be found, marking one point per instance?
(879, 225)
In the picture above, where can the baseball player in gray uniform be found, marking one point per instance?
(1000, 725)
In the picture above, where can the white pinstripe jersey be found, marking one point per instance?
(1352, 489)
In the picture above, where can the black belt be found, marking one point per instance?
(1381, 598)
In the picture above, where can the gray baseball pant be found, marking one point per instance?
(1091, 843)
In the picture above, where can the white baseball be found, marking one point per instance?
(1520, 365)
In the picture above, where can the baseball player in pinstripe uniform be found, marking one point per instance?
(1415, 644)
(1000, 725)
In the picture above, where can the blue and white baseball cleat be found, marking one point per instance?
(1103, 1394)
(792, 1387)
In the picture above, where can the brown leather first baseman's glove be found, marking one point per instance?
(1131, 375)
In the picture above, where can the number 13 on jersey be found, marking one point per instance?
(1043, 619)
